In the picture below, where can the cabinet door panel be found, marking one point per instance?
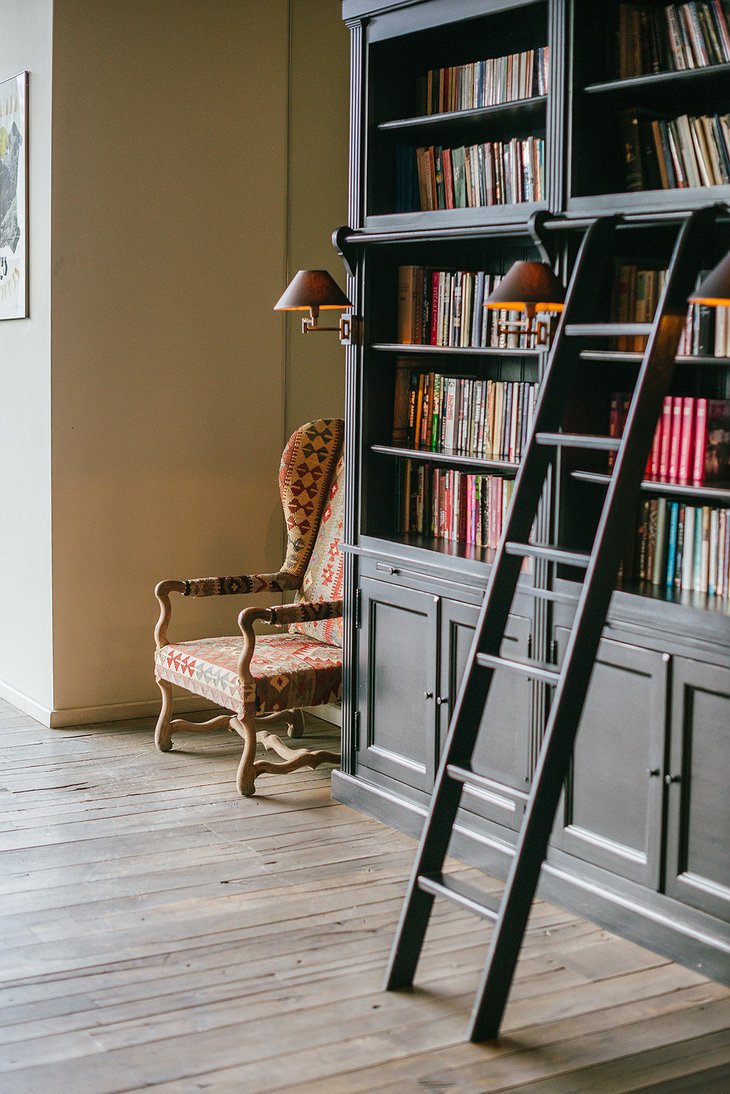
(610, 812)
(502, 748)
(698, 797)
(397, 674)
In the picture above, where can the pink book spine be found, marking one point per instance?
(666, 425)
(687, 436)
(653, 461)
(700, 442)
(433, 335)
(674, 446)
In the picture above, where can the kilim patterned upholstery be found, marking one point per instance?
(288, 670)
(250, 674)
(324, 577)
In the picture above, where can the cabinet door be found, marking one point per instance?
(397, 683)
(610, 813)
(698, 788)
(502, 749)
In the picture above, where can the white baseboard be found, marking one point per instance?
(120, 712)
(332, 712)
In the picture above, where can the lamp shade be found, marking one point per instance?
(312, 289)
(529, 286)
(715, 288)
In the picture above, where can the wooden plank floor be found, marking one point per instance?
(160, 932)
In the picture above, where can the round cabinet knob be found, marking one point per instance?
(669, 779)
(441, 699)
(428, 695)
(653, 772)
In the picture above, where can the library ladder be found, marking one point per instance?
(599, 568)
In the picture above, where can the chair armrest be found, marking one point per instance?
(304, 612)
(215, 586)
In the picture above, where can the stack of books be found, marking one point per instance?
(672, 37)
(682, 546)
(484, 83)
(691, 444)
(446, 308)
(671, 153)
(453, 505)
(459, 415)
(469, 177)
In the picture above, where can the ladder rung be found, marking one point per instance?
(460, 892)
(579, 440)
(537, 670)
(606, 330)
(552, 594)
(472, 780)
(549, 553)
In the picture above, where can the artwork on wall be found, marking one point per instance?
(13, 197)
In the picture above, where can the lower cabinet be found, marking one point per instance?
(412, 655)
(610, 813)
(503, 747)
(697, 784)
(397, 677)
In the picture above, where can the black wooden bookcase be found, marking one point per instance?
(641, 840)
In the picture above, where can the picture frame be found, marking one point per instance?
(14, 197)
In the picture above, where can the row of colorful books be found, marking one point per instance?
(674, 153)
(462, 416)
(471, 176)
(691, 444)
(672, 37)
(484, 83)
(635, 294)
(446, 308)
(682, 547)
(706, 332)
(453, 505)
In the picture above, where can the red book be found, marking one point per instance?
(686, 439)
(666, 427)
(673, 469)
(652, 471)
(700, 442)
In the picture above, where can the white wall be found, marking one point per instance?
(25, 361)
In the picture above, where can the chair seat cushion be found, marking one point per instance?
(289, 670)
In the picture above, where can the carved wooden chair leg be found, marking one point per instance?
(163, 734)
(246, 775)
(293, 718)
(293, 758)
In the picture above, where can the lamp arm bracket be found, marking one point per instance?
(536, 228)
(346, 251)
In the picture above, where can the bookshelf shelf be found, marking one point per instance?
(699, 495)
(458, 351)
(523, 111)
(472, 463)
(516, 213)
(686, 78)
(629, 357)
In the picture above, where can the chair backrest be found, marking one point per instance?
(323, 579)
(307, 467)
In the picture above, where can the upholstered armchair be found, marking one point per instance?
(271, 676)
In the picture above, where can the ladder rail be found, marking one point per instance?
(569, 698)
(473, 692)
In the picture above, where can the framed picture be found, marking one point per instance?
(14, 197)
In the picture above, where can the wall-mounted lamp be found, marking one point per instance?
(530, 287)
(715, 288)
(312, 290)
